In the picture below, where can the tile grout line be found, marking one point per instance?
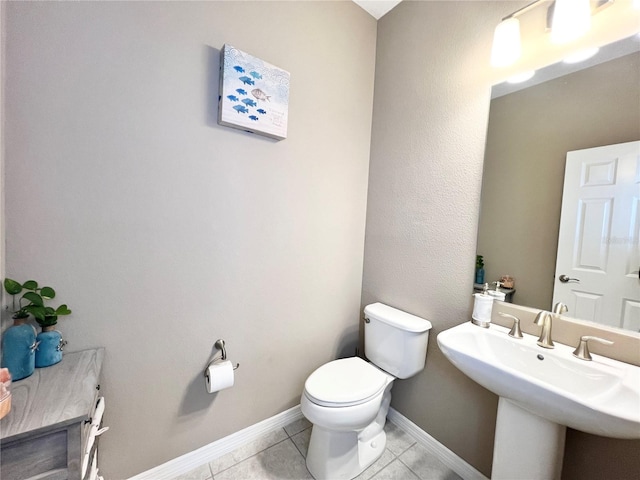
(251, 456)
(411, 469)
(386, 464)
(298, 449)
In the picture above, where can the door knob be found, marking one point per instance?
(566, 279)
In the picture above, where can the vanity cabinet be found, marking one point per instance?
(48, 430)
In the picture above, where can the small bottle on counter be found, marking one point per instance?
(497, 294)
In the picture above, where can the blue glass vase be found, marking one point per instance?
(480, 275)
(49, 351)
(18, 349)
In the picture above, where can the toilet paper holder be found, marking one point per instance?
(220, 345)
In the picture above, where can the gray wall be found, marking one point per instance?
(164, 231)
(529, 133)
(429, 125)
(431, 108)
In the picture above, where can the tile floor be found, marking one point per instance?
(281, 455)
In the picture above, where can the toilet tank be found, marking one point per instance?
(394, 340)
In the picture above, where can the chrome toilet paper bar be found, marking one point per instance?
(220, 345)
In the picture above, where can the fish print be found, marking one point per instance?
(233, 98)
(256, 75)
(240, 109)
(261, 111)
(249, 103)
(238, 69)
(253, 117)
(241, 91)
(246, 80)
(260, 95)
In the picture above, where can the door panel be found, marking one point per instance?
(598, 242)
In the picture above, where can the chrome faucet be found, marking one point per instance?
(544, 318)
(560, 308)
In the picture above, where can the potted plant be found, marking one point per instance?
(36, 296)
(49, 342)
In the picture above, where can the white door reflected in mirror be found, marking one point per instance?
(598, 237)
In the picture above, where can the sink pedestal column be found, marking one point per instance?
(526, 446)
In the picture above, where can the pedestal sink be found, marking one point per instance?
(542, 392)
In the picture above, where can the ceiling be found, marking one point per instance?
(377, 8)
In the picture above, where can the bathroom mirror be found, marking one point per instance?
(531, 129)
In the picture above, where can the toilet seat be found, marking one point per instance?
(345, 382)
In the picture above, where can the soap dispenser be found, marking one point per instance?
(483, 304)
(497, 294)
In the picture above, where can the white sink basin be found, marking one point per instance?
(601, 397)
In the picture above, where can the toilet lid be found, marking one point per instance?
(348, 381)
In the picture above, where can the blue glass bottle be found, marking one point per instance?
(18, 349)
(49, 351)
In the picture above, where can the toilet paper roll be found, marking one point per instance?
(219, 376)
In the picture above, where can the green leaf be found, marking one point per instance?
(63, 310)
(49, 311)
(34, 298)
(30, 284)
(47, 292)
(12, 287)
(38, 312)
(48, 321)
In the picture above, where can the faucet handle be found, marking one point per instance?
(515, 330)
(582, 350)
(560, 308)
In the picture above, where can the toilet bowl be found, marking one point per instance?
(347, 400)
(348, 423)
(326, 401)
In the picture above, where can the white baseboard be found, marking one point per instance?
(214, 450)
(446, 456)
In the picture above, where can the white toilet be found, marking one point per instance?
(347, 400)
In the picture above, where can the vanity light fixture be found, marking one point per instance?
(506, 38)
(506, 43)
(567, 20)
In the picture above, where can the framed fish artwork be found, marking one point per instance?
(254, 95)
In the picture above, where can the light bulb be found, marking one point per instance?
(571, 20)
(506, 43)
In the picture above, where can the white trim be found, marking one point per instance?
(446, 456)
(210, 452)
